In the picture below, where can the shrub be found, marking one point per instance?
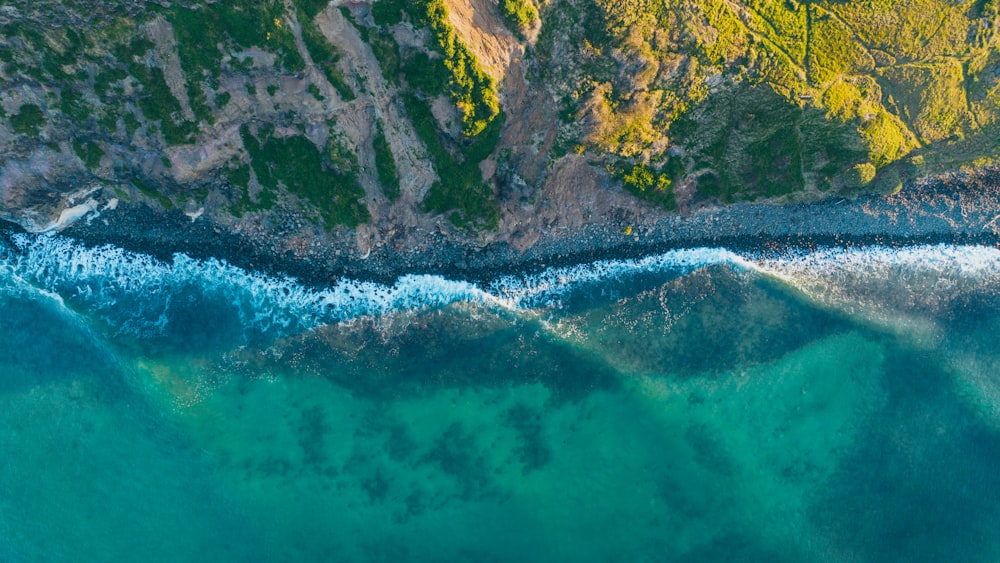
(28, 120)
(860, 175)
(518, 13)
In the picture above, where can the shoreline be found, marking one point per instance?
(956, 209)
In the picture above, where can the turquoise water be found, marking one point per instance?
(700, 405)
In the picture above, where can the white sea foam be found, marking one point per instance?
(146, 289)
(549, 286)
(106, 276)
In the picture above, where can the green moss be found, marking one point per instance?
(89, 152)
(385, 164)
(28, 120)
(272, 90)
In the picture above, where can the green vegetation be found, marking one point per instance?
(647, 183)
(471, 89)
(325, 55)
(311, 8)
(28, 120)
(449, 68)
(105, 78)
(386, 51)
(204, 32)
(153, 194)
(518, 14)
(73, 105)
(222, 99)
(860, 175)
(835, 84)
(159, 104)
(295, 163)
(460, 190)
(89, 152)
(385, 164)
(314, 91)
(239, 177)
(932, 95)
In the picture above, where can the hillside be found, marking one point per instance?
(376, 122)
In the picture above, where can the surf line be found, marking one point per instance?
(62, 267)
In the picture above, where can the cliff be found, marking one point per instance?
(371, 125)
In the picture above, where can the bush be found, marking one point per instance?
(518, 13)
(860, 175)
(28, 120)
(298, 165)
(89, 152)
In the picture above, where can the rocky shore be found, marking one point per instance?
(954, 209)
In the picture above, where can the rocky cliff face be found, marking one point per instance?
(375, 122)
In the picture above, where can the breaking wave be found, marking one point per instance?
(139, 294)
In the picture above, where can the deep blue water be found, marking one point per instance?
(701, 405)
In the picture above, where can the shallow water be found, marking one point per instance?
(701, 405)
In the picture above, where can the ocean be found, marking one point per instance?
(830, 404)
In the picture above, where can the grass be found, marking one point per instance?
(833, 51)
(933, 98)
